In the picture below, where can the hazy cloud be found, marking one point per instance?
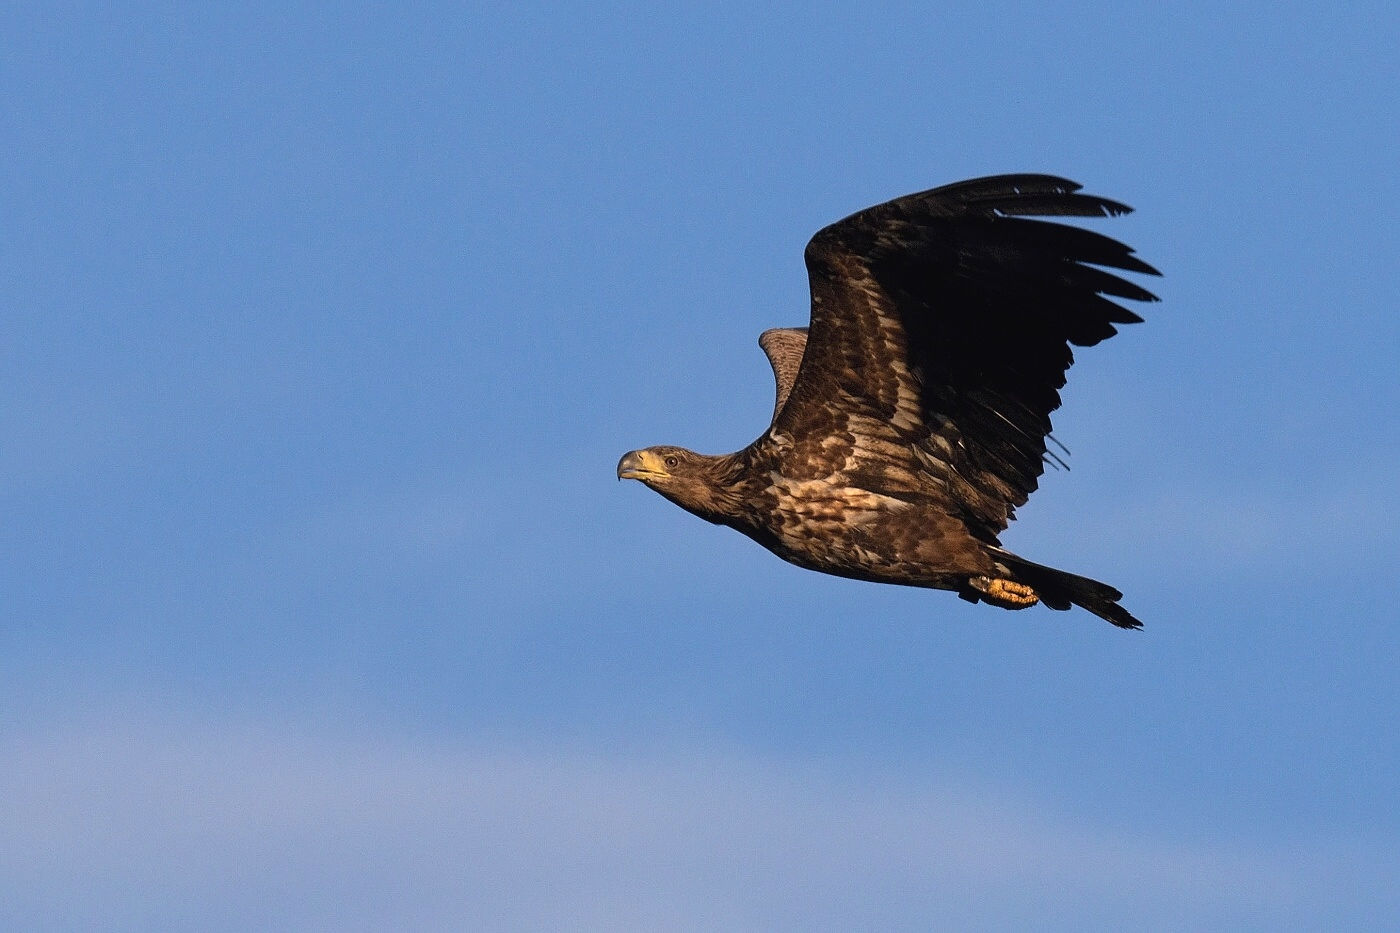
(143, 822)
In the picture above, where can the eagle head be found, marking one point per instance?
(695, 482)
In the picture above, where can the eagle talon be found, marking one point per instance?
(1007, 594)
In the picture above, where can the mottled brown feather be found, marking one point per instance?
(784, 347)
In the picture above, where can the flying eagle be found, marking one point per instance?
(912, 413)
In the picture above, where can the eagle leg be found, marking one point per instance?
(1008, 594)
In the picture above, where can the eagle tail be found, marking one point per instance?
(1059, 590)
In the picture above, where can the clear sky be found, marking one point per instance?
(324, 327)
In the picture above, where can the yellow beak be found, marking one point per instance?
(640, 464)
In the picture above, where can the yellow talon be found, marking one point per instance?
(1005, 593)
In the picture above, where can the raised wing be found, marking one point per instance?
(940, 337)
(784, 347)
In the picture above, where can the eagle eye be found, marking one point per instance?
(672, 462)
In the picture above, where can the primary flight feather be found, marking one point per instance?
(912, 413)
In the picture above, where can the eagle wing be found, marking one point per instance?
(940, 336)
(784, 347)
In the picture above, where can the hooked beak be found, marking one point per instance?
(640, 464)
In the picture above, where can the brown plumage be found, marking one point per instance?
(912, 413)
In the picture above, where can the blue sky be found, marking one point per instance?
(326, 325)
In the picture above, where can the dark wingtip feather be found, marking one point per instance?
(1028, 195)
(1002, 186)
(1104, 283)
(1059, 205)
(1082, 245)
(1134, 264)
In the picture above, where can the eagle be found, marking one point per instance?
(913, 411)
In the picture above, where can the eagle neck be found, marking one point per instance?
(719, 499)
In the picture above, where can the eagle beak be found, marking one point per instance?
(628, 466)
(640, 464)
